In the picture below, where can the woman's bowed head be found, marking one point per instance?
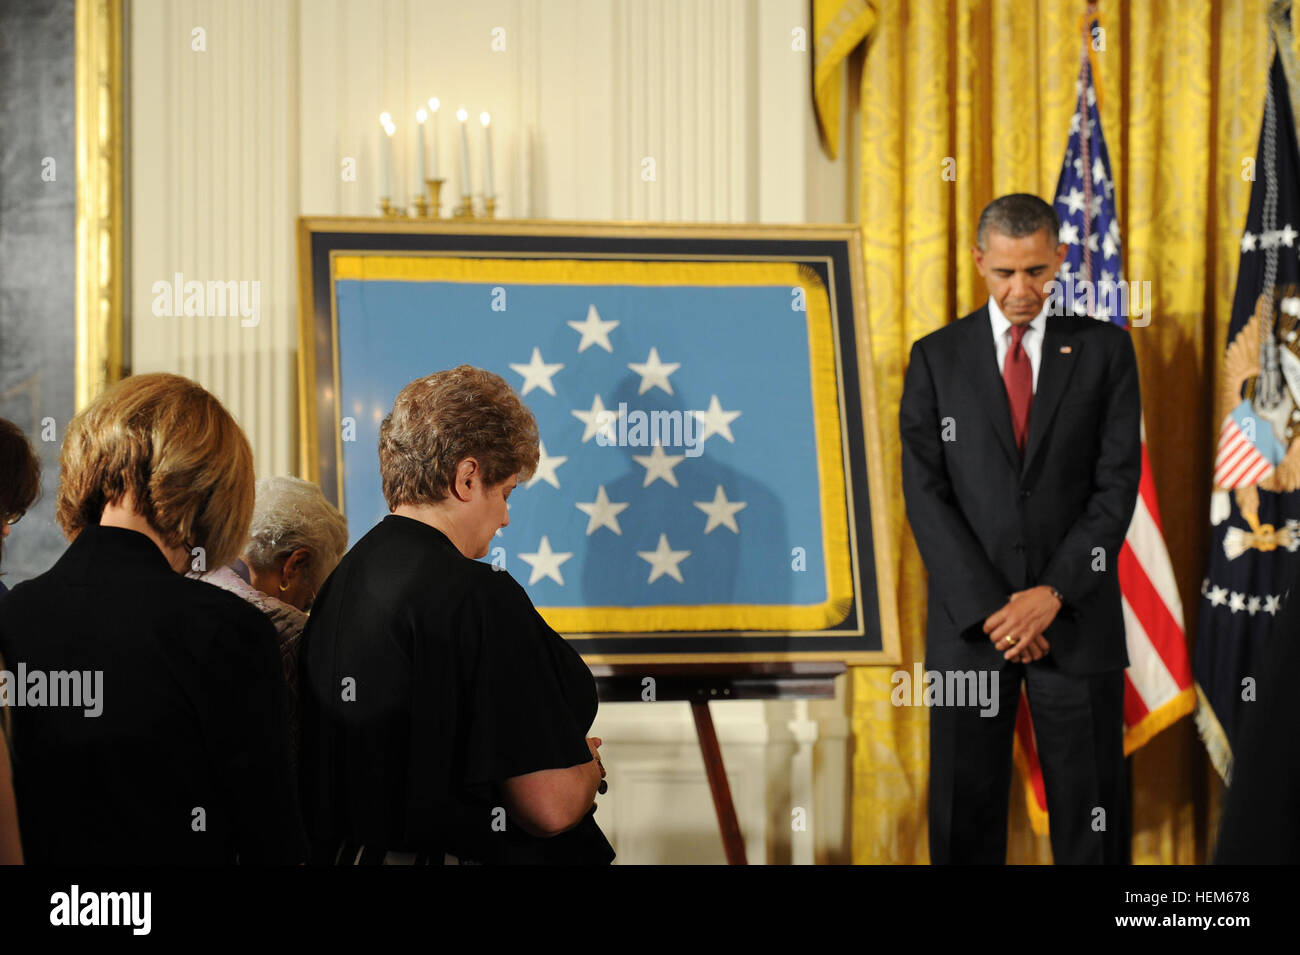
(160, 455)
(453, 448)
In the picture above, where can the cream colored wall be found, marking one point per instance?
(230, 144)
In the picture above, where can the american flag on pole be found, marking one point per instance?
(1158, 686)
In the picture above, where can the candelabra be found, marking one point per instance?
(428, 205)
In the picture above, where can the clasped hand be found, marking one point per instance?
(1017, 629)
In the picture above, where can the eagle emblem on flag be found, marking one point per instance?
(1260, 414)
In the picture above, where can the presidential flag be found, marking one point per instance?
(1158, 682)
(1254, 507)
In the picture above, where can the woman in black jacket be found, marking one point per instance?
(442, 719)
(149, 712)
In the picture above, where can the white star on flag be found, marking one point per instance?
(546, 465)
(716, 421)
(537, 374)
(664, 560)
(722, 513)
(654, 373)
(1218, 596)
(1075, 199)
(1237, 602)
(1288, 235)
(659, 465)
(594, 331)
(1272, 603)
(598, 420)
(545, 563)
(602, 512)
(1248, 242)
(1069, 233)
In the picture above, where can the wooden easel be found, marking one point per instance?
(701, 683)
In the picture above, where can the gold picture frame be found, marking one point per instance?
(322, 238)
(100, 163)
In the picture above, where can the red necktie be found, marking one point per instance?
(1018, 376)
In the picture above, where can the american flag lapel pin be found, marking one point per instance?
(1065, 349)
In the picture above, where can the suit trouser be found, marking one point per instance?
(1079, 731)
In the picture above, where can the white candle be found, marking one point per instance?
(421, 117)
(433, 109)
(386, 156)
(486, 120)
(463, 116)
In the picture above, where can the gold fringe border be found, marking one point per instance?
(1213, 736)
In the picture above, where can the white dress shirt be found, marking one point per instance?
(1032, 342)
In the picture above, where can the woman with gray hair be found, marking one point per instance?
(443, 720)
(295, 540)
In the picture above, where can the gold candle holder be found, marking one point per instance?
(465, 209)
(421, 206)
(386, 208)
(435, 197)
(489, 207)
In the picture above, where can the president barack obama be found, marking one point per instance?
(1020, 457)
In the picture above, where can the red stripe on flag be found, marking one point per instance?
(1229, 438)
(1233, 455)
(1135, 711)
(1249, 471)
(1025, 733)
(1162, 630)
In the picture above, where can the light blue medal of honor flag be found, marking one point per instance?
(691, 475)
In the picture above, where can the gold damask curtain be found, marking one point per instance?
(985, 88)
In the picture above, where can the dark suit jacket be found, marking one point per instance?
(193, 715)
(988, 523)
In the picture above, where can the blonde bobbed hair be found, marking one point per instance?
(178, 453)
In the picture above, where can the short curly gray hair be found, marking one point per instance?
(441, 419)
(290, 513)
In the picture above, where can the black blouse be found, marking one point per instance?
(187, 761)
(425, 680)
